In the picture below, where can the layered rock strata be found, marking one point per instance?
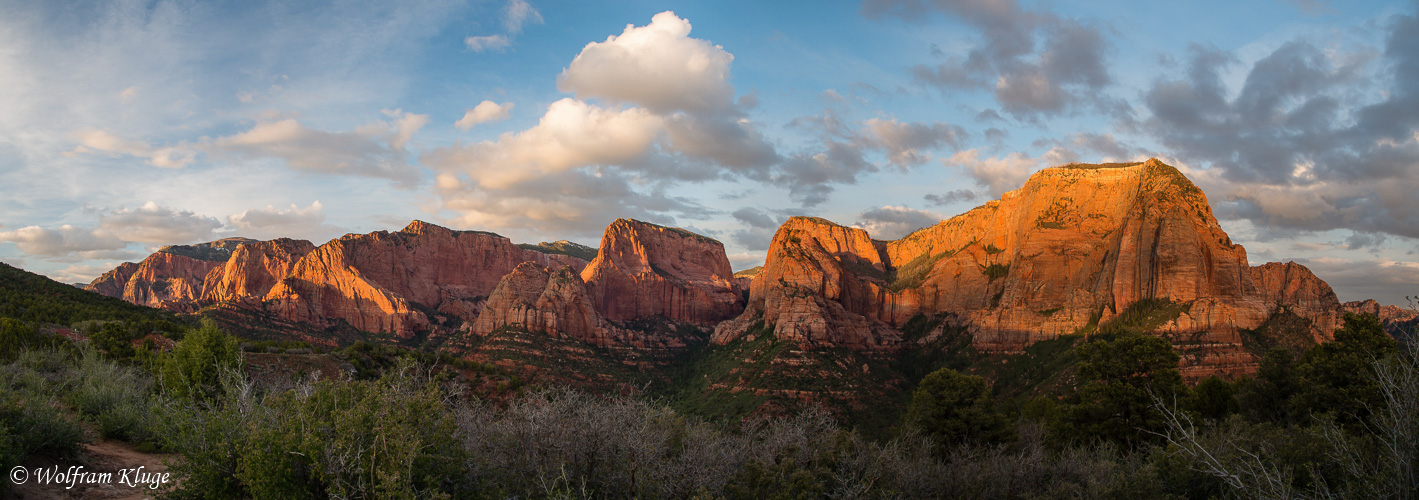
(643, 270)
(1076, 245)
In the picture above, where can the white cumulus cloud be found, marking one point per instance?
(484, 112)
(657, 66)
(151, 223)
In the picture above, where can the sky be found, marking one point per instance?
(128, 125)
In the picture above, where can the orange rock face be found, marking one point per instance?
(644, 270)
(1074, 244)
(253, 269)
(372, 281)
(168, 281)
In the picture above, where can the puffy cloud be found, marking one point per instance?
(893, 222)
(1298, 147)
(572, 134)
(573, 203)
(484, 112)
(293, 222)
(487, 42)
(657, 66)
(1106, 146)
(735, 144)
(1036, 62)
(959, 195)
(151, 223)
(809, 177)
(62, 241)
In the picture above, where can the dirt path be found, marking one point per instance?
(99, 457)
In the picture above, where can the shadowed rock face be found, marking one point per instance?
(541, 300)
(1074, 244)
(645, 270)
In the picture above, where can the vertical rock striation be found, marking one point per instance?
(646, 270)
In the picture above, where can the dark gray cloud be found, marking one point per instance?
(949, 197)
(1103, 145)
(891, 222)
(1036, 62)
(761, 226)
(842, 155)
(1287, 152)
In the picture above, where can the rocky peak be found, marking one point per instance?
(643, 269)
(543, 300)
(254, 269)
(1075, 244)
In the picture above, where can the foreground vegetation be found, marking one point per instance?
(1338, 421)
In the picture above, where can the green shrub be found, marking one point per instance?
(195, 366)
(954, 408)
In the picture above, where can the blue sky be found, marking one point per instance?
(128, 125)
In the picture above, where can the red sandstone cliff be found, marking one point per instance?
(541, 300)
(171, 278)
(253, 270)
(166, 280)
(373, 281)
(1075, 243)
(644, 270)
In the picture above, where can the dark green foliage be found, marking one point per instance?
(196, 365)
(914, 272)
(1283, 328)
(35, 299)
(30, 406)
(1267, 398)
(996, 271)
(1124, 372)
(16, 336)
(1142, 316)
(1337, 377)
(953, 409)
(1213, 398)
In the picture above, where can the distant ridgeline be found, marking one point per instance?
(832, 317)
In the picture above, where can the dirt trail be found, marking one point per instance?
(99, 457)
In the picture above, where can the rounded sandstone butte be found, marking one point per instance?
(371, 281)
(1293, 284)
(253, 269)
(818, 280)
(541, 300)
(643, 269)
